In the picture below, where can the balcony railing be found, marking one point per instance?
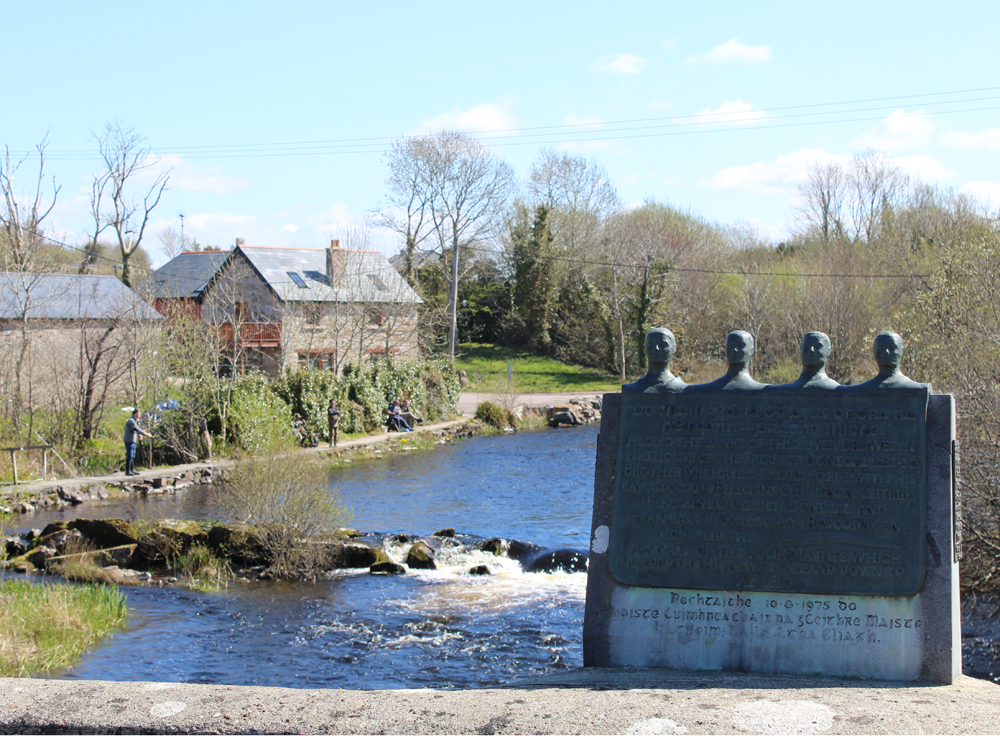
(253, 334)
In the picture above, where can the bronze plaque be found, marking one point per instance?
(806, 492)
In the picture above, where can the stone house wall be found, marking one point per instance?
(322, 335)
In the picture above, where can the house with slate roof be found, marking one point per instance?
(64, 336)
(278, 307)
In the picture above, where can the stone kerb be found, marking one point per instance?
(787, 532)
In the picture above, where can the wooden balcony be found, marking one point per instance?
(253, 334)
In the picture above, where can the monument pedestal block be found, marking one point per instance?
(828, 544)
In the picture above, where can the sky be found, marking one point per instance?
(274, 119)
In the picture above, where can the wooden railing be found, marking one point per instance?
(21, 448)
(253, 334)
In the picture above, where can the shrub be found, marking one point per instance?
(289, 501)
(495, 415)
(261, 421)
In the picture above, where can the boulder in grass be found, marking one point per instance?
(421, 557)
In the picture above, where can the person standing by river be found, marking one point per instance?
(132, 432)
(333, 416)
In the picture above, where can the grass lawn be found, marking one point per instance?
(486, 366)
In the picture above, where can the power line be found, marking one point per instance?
(673, 125)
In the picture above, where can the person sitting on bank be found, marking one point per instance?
(333, 415)
(739, 351)
(888, 351)
(396, 420)
(133, 432)
(815, 352)
(411, 418)
(660, 349)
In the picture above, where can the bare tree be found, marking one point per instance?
(21, 217)
(125, 158)
(580, 197)
(876, 184)
(821, 200)
(457, 184)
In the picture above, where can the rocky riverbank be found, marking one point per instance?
(117, 551)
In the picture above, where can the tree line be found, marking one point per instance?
(559, 265)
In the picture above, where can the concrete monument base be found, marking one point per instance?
(907, 637)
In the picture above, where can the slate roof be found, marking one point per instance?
(367, 275)
(70, 297)
(186, 275)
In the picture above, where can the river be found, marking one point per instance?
(427, 629)
(439, 629)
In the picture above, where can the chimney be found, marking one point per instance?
(336, 261)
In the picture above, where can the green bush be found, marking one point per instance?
(495, 415)
(261, 421)
(364, 392)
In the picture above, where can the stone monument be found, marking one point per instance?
(807, 528)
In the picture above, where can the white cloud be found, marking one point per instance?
(728, 113)
(898, 131)
(622, 64)
(484, 118)
(734, 52)
(986, 139)
(186, 176)
(290, 228)
(923, 167)
(658, 105)
(782, 175)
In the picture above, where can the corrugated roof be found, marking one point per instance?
(185, 276)
(70, 297)
(367, 275)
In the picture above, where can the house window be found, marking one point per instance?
(379, 284)
(299, 281)
(318, 359)
(376, 316)
(314, 314)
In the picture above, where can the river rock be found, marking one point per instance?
(421, 556)
(357, 555)
(52, 528)
(73, 498)
(568, 560)
(40, 556)
(106, 532)
(238, 543)
(512, 548)
(479, 570)
(167, 539)
(14, 546)
(449, 532)
(387, 568)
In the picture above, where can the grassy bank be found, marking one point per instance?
(486, 367)
(46, 627)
